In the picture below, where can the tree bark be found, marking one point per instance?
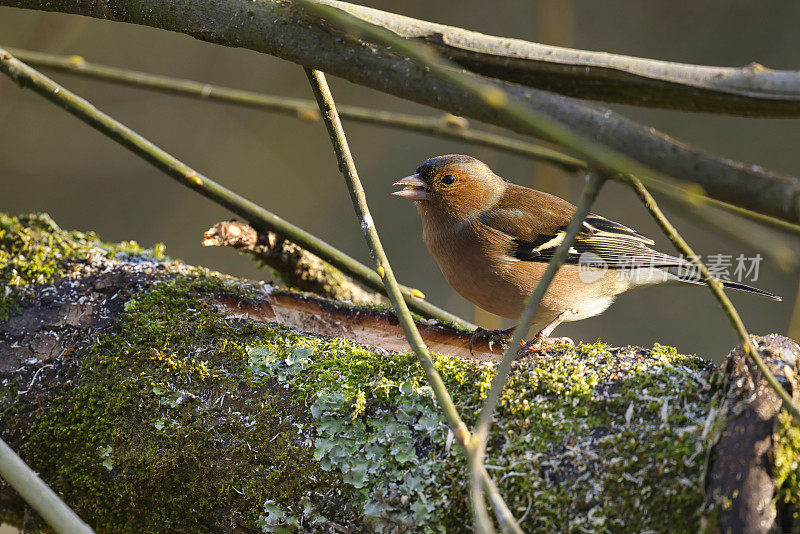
(750, 90)
(740, 483)
(284, 30)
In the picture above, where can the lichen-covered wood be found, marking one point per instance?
(754, 458)
(151, 408)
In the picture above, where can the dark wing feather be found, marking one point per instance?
(536, 232)
(535, 223)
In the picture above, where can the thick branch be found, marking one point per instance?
(283, 30)
(740, 483)
(750, 90)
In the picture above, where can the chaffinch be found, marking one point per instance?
(492, 240)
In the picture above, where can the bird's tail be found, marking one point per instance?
(683, 277)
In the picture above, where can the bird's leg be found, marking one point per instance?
(543, 339)
(500, 337)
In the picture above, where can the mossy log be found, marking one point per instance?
(158, 397)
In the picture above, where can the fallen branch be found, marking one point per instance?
(370, 326)
(140, 389)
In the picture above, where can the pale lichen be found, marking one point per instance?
(572, 434)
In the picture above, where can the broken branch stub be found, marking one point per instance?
(296, 266)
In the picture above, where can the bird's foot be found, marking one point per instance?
(501, 337)
(539, 345)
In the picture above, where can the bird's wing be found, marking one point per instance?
(535, 233)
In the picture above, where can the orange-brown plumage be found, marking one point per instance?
(492, 241)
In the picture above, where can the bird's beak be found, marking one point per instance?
(414, 188)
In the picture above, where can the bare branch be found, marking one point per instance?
(296, 266)
(284, 30)
(447, 126)
(185, 175)
(750, 90)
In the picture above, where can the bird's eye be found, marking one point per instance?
(448, 179)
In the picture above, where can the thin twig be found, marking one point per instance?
(595, 181)
(185, 175)
(38, 494)
(729, 225)
(508, 524)
(716, 288)
(688, 195)
(446, 126)
(347, 166)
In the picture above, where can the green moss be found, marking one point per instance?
(572, 439)
(787, 470)
(154, 432)
(34, 250)
(129, 444)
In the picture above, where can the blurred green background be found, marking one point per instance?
(49, 161)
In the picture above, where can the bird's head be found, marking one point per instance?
(456, 186)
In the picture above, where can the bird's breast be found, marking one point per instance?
(477, 265)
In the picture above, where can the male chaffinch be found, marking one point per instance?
(493, 239)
